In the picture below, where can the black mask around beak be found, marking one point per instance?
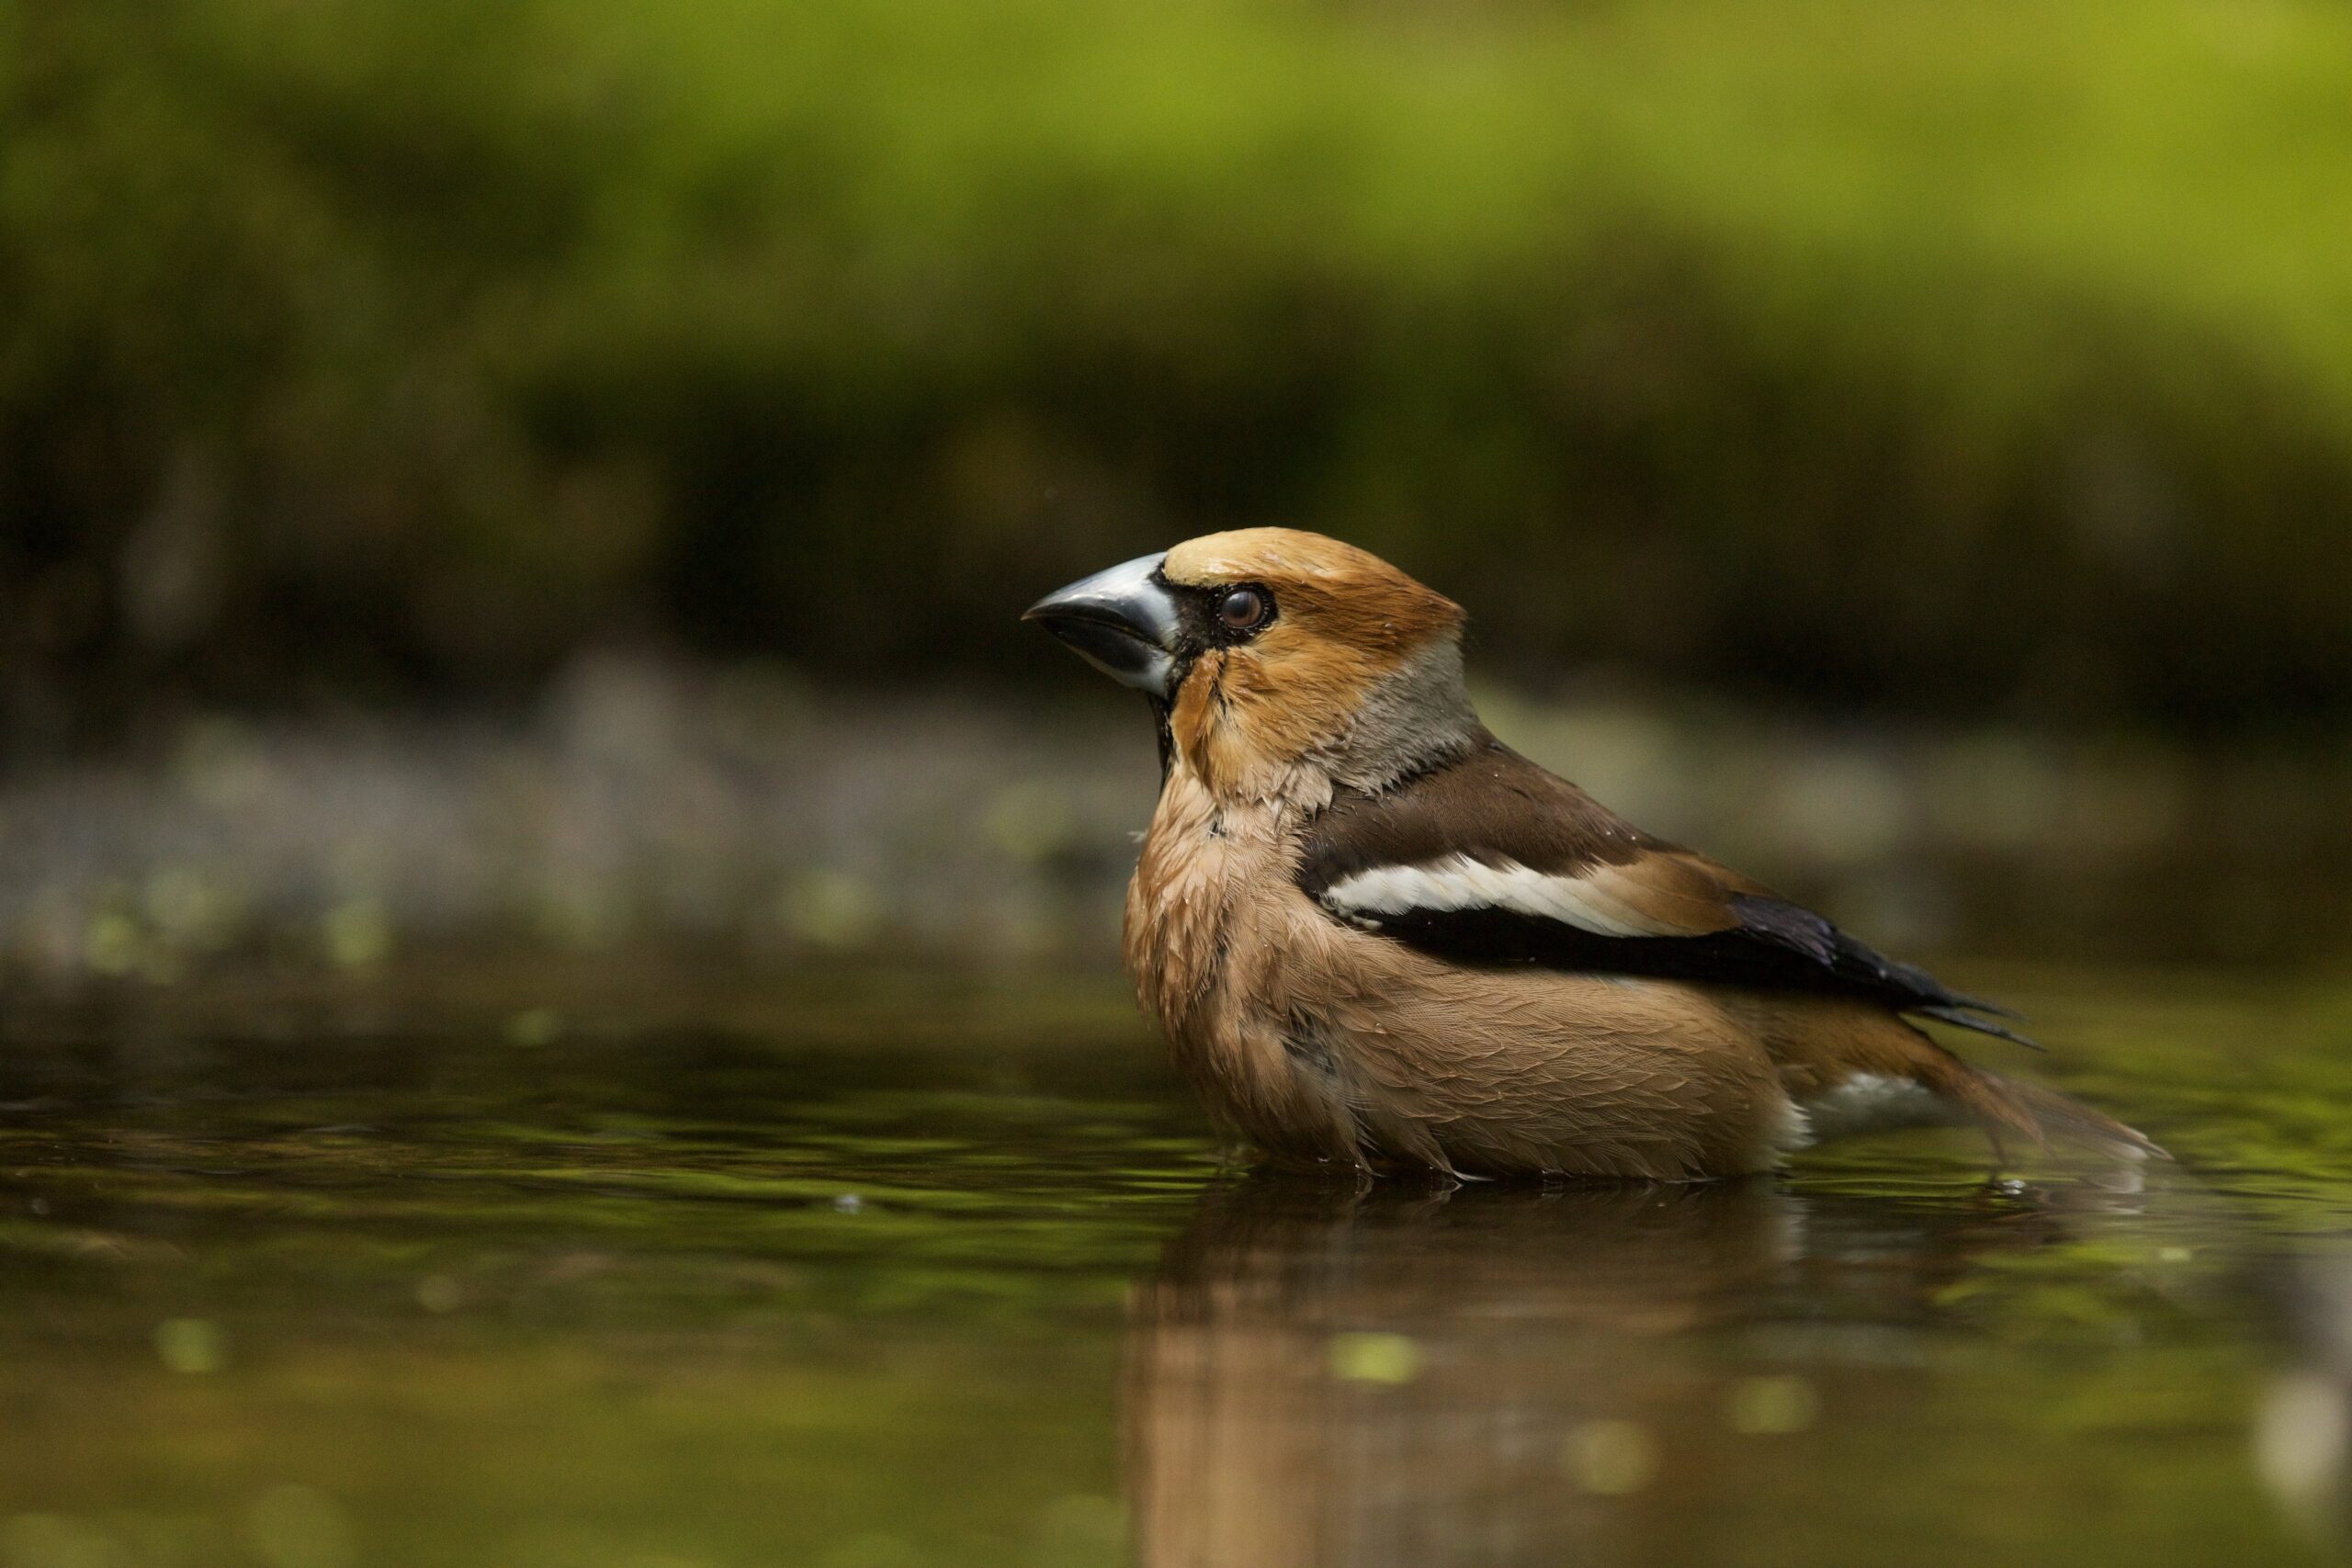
(1124, 621)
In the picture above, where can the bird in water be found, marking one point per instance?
(1377, 937)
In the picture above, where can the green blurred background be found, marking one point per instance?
(1915, 388)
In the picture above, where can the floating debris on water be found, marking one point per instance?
(1375, 1358)
(439, 1293)
(1610, 1459)
(1770, 1407)
(535, 1027)
(191, 1345)
(299, 1527)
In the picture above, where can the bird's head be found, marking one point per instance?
(1270, 654)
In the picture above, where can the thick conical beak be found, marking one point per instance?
(1122, 621)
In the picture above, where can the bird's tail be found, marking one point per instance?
(2043, 1115)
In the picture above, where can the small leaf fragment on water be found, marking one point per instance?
(111, 946)
(833, 909)
(1610, 1459)
(299, 1527)
(1375, 1358)
(191, 1345)
(438, 1293)
(534, 1026)
(359, 935)
(1770, 1407)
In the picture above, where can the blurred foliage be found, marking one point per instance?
(1947, 355)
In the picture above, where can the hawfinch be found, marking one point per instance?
(1376, 936)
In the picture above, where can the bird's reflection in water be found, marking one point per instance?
(1492, 1376)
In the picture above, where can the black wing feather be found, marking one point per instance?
(1851, 965)
(1498, 807)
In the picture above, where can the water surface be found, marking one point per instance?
(875, 1271)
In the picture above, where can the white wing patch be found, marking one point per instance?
(1594, 900)
(1873, 1102)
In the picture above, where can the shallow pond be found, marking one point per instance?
(871, 1272)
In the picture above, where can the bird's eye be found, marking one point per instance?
(1244, 609)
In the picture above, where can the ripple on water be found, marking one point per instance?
(945, 1273)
